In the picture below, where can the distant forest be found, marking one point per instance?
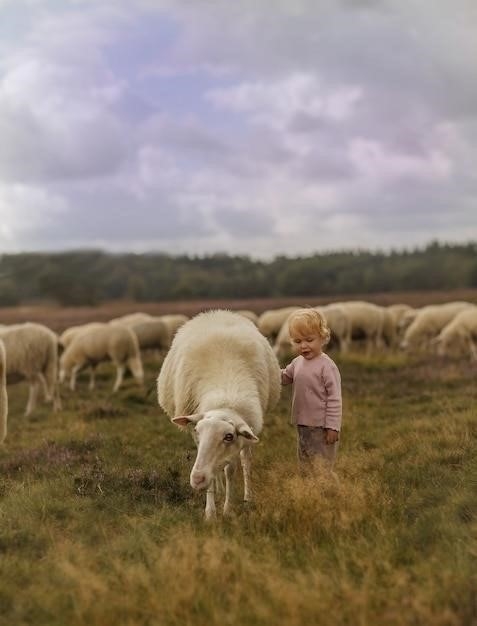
(89, 277)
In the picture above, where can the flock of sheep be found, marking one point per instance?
(221, 370)
(448, 329)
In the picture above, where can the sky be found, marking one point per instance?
(253, 127)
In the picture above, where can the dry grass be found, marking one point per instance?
(98, 524)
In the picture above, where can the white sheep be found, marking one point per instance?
(152, 334)
(406, 320)
(270, 322)
(250, 315)
(173, 321)
(367, 322)
(428, 323)
(397, 318)
(220, 375)
(66, 337)
(131, 318)
(3, 393)
(338, 322)
(459, 336)
(102, 343)
(32, 355)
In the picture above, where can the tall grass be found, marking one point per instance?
(99, 526)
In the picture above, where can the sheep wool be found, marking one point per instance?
(428, 323)
(32, 355)
(459, 336)
(103, 342)
(220, 375)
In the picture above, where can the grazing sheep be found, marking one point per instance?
(428, 323)
(67, 335)
(270, 322)
(32, 355)
(398, 311)
(250, 315)
(3, 393)
(102, 343)
(459, 336)
(152, 334)
(367, 322)
(173, 322)
(406, 320)
(339, 325)
(220, 375)
(131, 318)
(394, 324)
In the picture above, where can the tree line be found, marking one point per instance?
(89, 277)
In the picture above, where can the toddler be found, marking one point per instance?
(316, 400)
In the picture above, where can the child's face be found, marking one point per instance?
(309, 345)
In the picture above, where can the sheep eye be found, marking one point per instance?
(228, 437)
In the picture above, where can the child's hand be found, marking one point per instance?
(331, 436)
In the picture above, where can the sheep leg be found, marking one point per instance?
(119, 377)
(92, 378)
(246, 460)
(473, 350)
(57, 406)
(210, 511)
(344, 345)
(32, 397)
(46, 391)
(229, 471)
(74, 372)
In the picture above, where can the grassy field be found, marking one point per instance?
(98, 524)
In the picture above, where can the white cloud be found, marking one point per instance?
(277, 102)
(176, 125)
(373, 161)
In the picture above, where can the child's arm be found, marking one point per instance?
(332, 381)
(288, 373)
(286, 379)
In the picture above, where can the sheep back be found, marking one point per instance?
(429, 321)
(219, 358)
(31, 349)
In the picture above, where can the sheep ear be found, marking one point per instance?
(184, 420)
(246, 431)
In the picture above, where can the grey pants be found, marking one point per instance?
(311, 444)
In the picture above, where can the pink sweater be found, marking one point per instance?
(316, 391)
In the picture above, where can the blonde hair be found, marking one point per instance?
(303, 322)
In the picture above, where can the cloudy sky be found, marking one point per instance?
(249, 127)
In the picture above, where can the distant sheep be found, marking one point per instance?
(428, 323)
(397, 318)
(132, 318)
(32, 355)
(270, 322)
(221, 376)
(68, 335)
(367, 322)
(3, 393)
(405, 320)
(250, 315)
(102, 343)
(153, 334)
(173, 321)
(459, 336)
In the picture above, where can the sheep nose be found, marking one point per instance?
(198, 480)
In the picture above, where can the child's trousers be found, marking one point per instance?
(311, 444)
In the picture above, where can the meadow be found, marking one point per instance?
(99, 526)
